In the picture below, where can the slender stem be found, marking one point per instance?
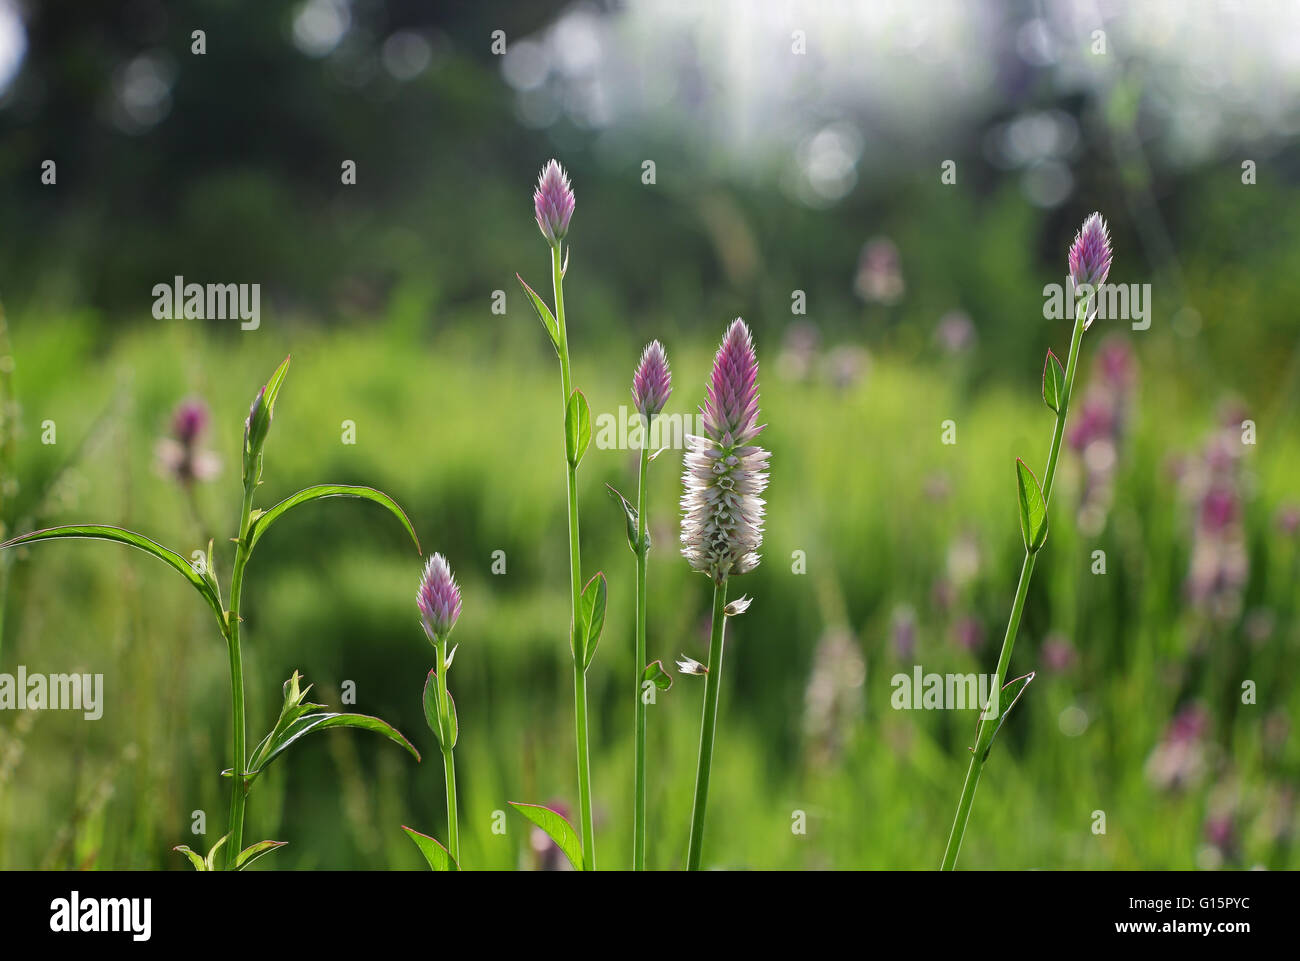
(575, 581)
(239, 787)
(988, 726)
(642, 556)
(448, 761)
(708, 725)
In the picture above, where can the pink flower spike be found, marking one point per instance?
(1090, 254)
(653, 381)
(438, 598)
(553, 202)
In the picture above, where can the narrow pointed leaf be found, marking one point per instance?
(1011, 692)
(431, 714)
(1053, 382)
(654, 671)
(594, 598)
(319, 491)
(131, 539)
(438, 857)
(255, 851)
(320, 722)
(543, 314)
(630, 515)
(195, 859)
(577, 427)
(211, 859)
(273, 385)
(1033, 512)
(557, 828)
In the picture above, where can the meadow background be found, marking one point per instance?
(775, 172)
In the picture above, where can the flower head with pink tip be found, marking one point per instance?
(438, 598)
(1090, 254)
(725, 474)
(653, 381)
(553, 202)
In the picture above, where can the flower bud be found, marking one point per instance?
(553, 202)
(438, 598)
(653, 381)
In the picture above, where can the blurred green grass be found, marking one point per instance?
(462, 428)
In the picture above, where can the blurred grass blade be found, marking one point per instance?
(577, 427)
(592, 616)
(1011, 692)
(131, 539)
(543, 314)
(559, 830)
(318, 492)
(437, 856)
(1033, 512)
(1053, 382)
(255, 851)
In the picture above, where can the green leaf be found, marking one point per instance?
(131, 539)
(438, 857)
(1033, 512)
(591, 616)
(431, 713)
(295, 721)
(630, 515)
(1053, 382)
(255, 851)
(559, 830)
(577, 427)
(211, 860)
(195, 859)
(543, 314)
(654, 671)
(1011, 692)
(273, 385)
(266, 518)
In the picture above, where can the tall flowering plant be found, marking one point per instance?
(651, 385)
(1090, 260)
(439, 602)
(553, 205)
(722, 523)
(297, 715)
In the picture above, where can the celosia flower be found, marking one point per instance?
(653, 381)
(438, 598)
(722, 510)
(1090, 254)
(553, 202)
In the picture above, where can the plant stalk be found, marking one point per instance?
(708, 725)
(575, 579)
(642, 557)
(239, 787)
(448, 760)
(988, 726)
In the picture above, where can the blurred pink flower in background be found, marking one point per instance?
(879, 278)
(1099, 428)
(1178, 761)
(181, 455)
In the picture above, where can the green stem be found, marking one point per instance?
(239, 787)
(448, 761)
(988, 726)
(575, 580)
(708, 725)
(642, 556)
